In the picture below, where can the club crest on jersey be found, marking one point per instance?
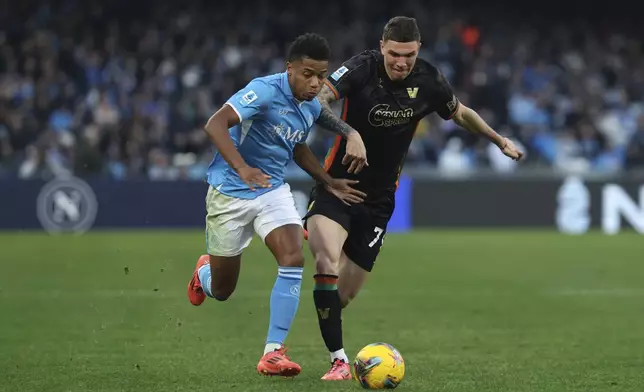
(339, 72)
(412, 92)
(248, 98)
(381, 116)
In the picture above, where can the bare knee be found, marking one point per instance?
(291, 258)
(326, 238)
(325, 264)
(285, 242)
(225, 272)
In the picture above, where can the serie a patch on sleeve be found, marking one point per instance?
(248, 98)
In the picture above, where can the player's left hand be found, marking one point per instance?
(510, 150)
(356, 153)
(343, 190)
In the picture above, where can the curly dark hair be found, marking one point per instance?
(311, 45)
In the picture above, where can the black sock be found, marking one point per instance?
(329, 310)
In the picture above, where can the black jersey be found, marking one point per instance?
(385, 113)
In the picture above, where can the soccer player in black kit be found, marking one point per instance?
(386, 93)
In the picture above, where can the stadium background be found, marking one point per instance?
(101, 113)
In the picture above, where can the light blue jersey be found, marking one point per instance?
(272, 123)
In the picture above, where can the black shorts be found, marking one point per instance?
(366, 223)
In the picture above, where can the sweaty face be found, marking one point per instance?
(400, 57)
(306, 77)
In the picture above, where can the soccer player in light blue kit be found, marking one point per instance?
(257, 133)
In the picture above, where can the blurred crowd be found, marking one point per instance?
(110, 88)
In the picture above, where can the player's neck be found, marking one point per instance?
(299, 101)
(391, 80)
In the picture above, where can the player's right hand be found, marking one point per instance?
(342, 189)
(511, 150)
(356, 153)
(254, 177)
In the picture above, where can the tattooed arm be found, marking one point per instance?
(356, 153)
(328, 120)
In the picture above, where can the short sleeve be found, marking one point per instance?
(316, 110)
(251, 100)
(351, 76)
(312, 116)
(446, 101)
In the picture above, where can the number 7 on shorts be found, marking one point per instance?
(378, 232)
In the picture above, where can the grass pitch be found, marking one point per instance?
(469, 311)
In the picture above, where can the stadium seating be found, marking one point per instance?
(84, 89)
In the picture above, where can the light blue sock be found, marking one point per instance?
(205, 278)
(285, 300)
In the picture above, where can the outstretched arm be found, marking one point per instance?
(451, 109)
(470, 120)
(356, 153)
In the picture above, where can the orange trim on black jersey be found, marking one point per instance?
(332, 88)
(333, 151)
(345, 109)
(401, 165)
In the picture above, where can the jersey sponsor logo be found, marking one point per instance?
(339, 72)
(381, 116)
(412, 92)
(66, 204)
(288, 134)
(248, 98)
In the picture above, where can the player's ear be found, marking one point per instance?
(382, 47)
(289, 68)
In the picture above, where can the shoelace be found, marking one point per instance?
(337, 364)
(282, 352)
(195, 286)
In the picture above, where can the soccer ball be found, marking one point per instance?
(379, 366)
